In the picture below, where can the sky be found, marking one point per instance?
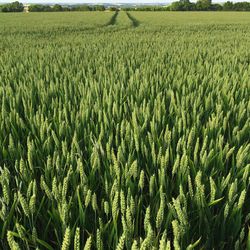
(96, 1)
(88, 1)
(102, 1)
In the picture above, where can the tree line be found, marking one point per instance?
(12, 7)
(200, 5)
(207, 5)
(182, 5)
(19, 7)
(58, 7)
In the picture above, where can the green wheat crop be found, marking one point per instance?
(124, 131)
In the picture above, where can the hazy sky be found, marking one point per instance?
(104, 1)
(88, 1)
(99, 1)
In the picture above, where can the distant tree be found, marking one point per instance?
(12, 7)
(216, 7)
(113, 8)
(98, 8)
(39, 8)
(241, 6)
(47, 8)
(17, 7)
(176, 6)
(66, 8)
(57, 8)
(81, 8)
(85, 8)
(203, 4)
(148, 8)
(188, 6)
(182, 5)
(228, 5)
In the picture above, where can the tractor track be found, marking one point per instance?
(134, 21)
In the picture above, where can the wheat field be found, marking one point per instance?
(124, 131)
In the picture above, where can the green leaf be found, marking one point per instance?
(81, 212)
(43, 243)
(192, 246)
(215, 202)
(248, 239)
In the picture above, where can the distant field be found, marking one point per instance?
(192, 18)
(125, 130)
(33, 20)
